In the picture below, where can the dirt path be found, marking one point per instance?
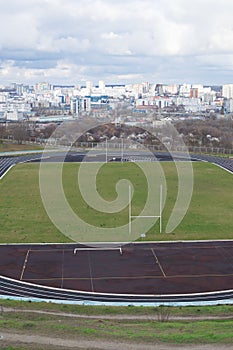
(80, 344)
(119, 317)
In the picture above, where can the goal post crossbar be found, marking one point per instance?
(145, 217)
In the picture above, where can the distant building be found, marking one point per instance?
(227, 91)
(228, 105)
(13, 115)
(42, 86)
(193, 93)
(102, 87)
(185, 90)
(171, 89)
(80, 104)
(159, 89)
(89, 87)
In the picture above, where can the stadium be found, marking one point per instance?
(168, 269)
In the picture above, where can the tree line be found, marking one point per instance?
(207, 133)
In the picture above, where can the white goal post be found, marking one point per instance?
(148, 216)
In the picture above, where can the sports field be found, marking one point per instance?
(24, 219)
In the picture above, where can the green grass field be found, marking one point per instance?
(24, 219)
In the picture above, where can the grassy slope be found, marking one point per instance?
(187, 311)
(23, 218)
(180, 332)
(11, 147)
(142, 331)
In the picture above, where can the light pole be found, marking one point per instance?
(106, 150)
(122, 149)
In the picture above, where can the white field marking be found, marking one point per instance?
(24, 265)
(90, 269)
(157, 261)
(62, 269)
(118, 243)
(97, 249)
(129, 277)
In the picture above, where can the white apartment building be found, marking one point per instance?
(227, 91)
(191, 104)
(102, 87)
(171, 89)
(43, 86)
(229, 105)
(199, 87)
(160, 102)
(185, 90)
(80, 104)
(3, 98)
(89, 87)
(13, 115)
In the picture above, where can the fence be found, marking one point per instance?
(154, 148)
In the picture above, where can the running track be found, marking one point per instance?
(143, 273)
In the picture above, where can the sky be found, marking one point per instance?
(118, 41)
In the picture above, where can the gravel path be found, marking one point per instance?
(119, 317)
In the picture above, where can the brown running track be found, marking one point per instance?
(146, 268)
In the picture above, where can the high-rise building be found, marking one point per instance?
(171, 89)
(102, 86)
(80, 104)
(227, 91)
(194, 92)
(185, 90)
(89, 87)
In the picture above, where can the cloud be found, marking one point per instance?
(106, 39)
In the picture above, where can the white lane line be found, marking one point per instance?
(90, 269)
(62, 269)
(157, 261)
(24, 265)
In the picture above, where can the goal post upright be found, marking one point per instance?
(130, 210)
(122, 149)
(161, 208)
(106, 150)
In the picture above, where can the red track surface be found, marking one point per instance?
(158, 268)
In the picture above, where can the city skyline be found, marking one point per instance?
(70, 42)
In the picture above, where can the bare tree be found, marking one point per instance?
(2, 131)
(163, 313)
(19, 132)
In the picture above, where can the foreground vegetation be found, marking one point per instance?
(149, 330)
(24, 219)
(179, 332)
(88, 310)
